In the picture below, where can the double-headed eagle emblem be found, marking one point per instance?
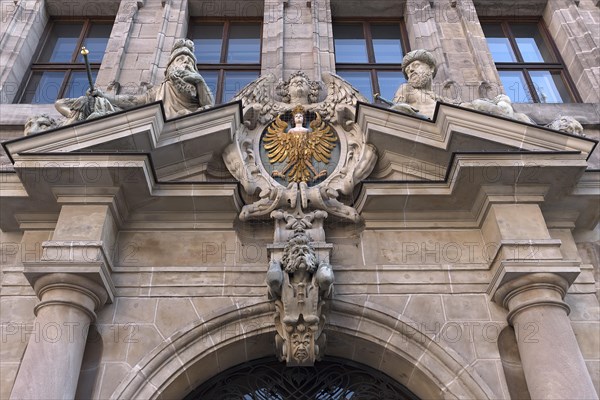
(298, 146)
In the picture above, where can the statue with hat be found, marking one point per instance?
(416, 96)
(183, 91)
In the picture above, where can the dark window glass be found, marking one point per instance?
(208, 41)
(498, 43)
(59, 59)
(529, 68)
(61, 43)
(43, 87)
(211, 78)
(96, 42)
(78, 83)
(389, 81)
(350, 44)
(228, 54)
(235, 81)
(387, 45)
(244, 44)
(369, 55)
(530, 43)
(515, 86)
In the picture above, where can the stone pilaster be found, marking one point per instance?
(530, 279)
(272, 40)
(552, 361)
(298, 38)
(323, 51)
(72, 280)
(52, 361)
(22, 29)
(114, 57)
(570, 23)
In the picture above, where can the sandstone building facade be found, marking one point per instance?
(136, 248)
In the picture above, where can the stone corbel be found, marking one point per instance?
(300, 280)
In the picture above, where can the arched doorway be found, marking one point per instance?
(330, 379)
(368, 334)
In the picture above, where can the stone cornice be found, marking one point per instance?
(126, 182)
(478, 180)
(449, 120)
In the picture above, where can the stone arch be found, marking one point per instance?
(367, 333)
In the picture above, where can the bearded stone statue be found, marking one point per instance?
(183, 91)
(416, 96)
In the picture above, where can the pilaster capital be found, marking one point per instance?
(80, 261)
(70, 290)
(533, 289)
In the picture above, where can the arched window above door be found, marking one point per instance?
(330, 379)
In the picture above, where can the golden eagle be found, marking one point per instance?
(298, 146)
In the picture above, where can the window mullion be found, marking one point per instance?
(225, 44)
(369, 42)
(531, 86)
(375, 82)
(512, 40)
(61, 91)
(220, 85)
(82, 35)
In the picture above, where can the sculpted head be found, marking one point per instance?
(299, 89)
(419, 68)
(39, 123)
(301, 339)
(298, 113)
(182, 57)
(567, 124)
(299, 255)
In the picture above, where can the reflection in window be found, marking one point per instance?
(78, 83)
(529, 69)
(389, 82)
(549, 86)
(515, 86)
(244, 44)
(498, 43)
(369, 55)
(361, 80)
(228, 54)
(59, 69)
(235, 81)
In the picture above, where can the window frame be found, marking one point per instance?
(372, 66)
(223, 66)
(68, 68)
(557, 65)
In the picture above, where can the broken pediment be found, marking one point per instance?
(425, 170)
(444, 170)
(130, 160)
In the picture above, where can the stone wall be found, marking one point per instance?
(435, 280)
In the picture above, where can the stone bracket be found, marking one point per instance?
(87, 259)
(525, 251)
